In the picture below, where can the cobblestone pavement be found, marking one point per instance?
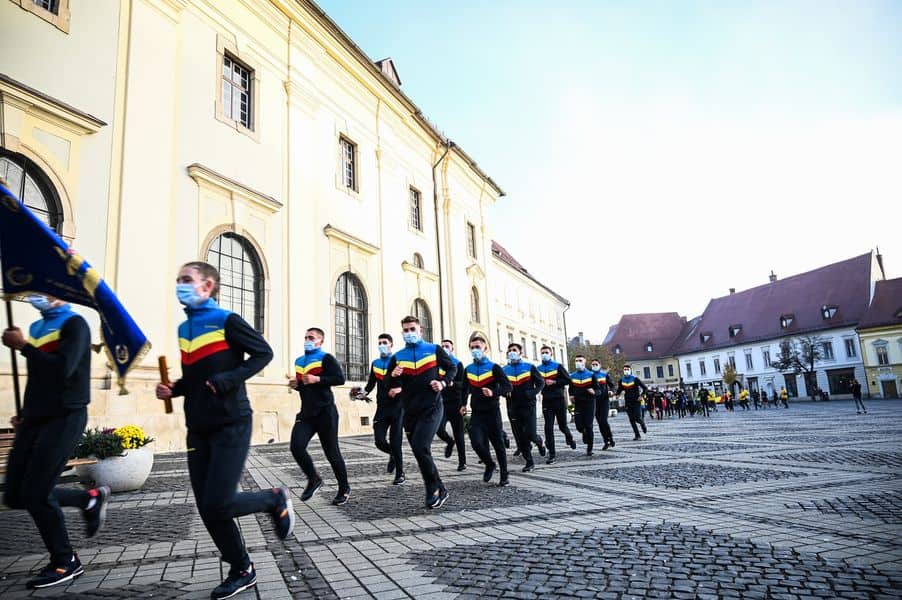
(800, 503)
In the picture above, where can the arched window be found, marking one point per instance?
(421, 311)
(350, 327)
(417, 260)
(26, 180)
(241, 277)
(474, 305)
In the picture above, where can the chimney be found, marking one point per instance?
(880, 263)
(772, 277)
(732, 291)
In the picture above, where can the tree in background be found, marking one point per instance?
(799, 356)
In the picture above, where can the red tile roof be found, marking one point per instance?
(634, 332)
(845, 286)
(886, 307)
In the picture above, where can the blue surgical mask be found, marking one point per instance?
(42, 303)
(627, 372)
(596, 368)
(546, 358)
(580, 365)
(513, 357)
(309, 346)
(448, 350)
(384, 350)
(477, 353)
(411, 337)
(187, 295)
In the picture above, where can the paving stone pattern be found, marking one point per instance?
(801, 503)
(685, 475)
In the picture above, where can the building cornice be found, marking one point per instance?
(30, 100)
(334, 233)
(201, 173)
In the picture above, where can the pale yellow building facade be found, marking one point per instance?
(257, 136)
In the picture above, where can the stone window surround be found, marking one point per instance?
(227, 46)
(60, 19)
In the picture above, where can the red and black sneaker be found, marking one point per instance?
(56, 574)
(95, 511)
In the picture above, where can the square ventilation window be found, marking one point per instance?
(365, 421)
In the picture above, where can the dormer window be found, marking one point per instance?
(617, 349)
(704, 337)
(649, 347)
(899, 314)
(786, 320)
(828, 311)
(735, 330)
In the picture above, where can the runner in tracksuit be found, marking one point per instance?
(453, 398)
(214, 343)
(554, 403)
(582, 390)
(486, 384)
(414, 376)
(603, 404)
(629, 385)
(316, 373)
(58, 354)
(389, 415)
(527, 384)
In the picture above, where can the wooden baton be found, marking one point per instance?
(164, 378)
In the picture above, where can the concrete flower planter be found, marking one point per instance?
(122, 473)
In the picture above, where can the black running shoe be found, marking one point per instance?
(341, 498)
(54, 575)
(517, 452)
(644, 428)
(400, 479)
(529, 467)
(438, 499)
(612, 443)
(234, 584)
(449, 449)
(462, 466)
(489, 471)
(95, 512)
(542, 450)
(504, 480)
(313, 486)
(390, 468)
(572, 443)
(637, 438)
(507, 442)
(283, 513)
(606, 446)
(551, 460)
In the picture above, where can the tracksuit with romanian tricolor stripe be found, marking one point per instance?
(603, 404)
(388, 420)
(526, 384)
(582, 389)
(318, 415)
(58, 356)
(485, 419)
(453, 398)
(554, 405)
(220, 351)
(423, 408)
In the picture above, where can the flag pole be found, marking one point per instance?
(15, 363)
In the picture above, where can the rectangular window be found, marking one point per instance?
(748, 361)
(670, 370)
(236, 91)
(765, 356)
(471, 240)
(882, 355)
(732, 360)
(416, 210)
(535, 352)
(49, 5)
(851, 352)
(717, 366)
(510, 338)
(523, 344)
(702, 370)
(688, 369)
(660, 372)
(828, 350)
(646, 372)
(348, 163)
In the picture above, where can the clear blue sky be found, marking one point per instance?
(706, 142)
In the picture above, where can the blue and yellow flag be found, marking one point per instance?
(36, 260)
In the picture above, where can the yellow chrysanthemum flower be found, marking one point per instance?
(132, 436)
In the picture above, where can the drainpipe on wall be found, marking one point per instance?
(438, 245)
(566, 338)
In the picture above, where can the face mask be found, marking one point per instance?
(384, 350)
(187, 295)
(309, 346)
(627, 372)
(513, 357)
(42, 303)
(580, 365)
(596, 368)
(411, 337)
(448, 350)
(477, 353)
(546, 358)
